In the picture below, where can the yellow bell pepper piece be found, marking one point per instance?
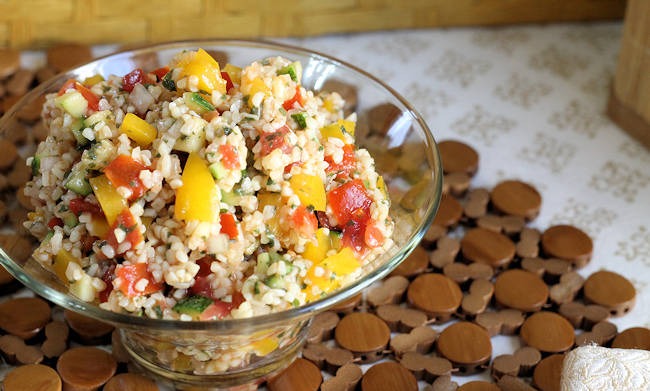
(328, 105)
(234, 73)
(317, 252)
(335, 236)
(109, 199)
(138, 129)
(258, 86)
(338, 129)
(310, 190)
(275, 200)
(200, 55)
(208, 74)
(98, 226)
(264, 346)
(341, 264)
(91, 81)
(381, 185)
(60, 264)
(198, 198)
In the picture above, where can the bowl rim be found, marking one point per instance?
(305, 311)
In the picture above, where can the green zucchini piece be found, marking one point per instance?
(196, 102)
(168, 82)
(193, 305)
(275, 282)
(217, 170)
(36, 164)
(300, 119)
(294, 70)
(77, 180)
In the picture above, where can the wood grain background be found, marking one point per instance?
(38, 24)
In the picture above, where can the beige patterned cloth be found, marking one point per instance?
(593, 368)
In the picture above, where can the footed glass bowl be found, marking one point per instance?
(237, 353)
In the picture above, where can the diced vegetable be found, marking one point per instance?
(230, 198)
(98, 156)
(381, 185)
(77, 128)
(339, 266)
(36, 164)
(193, 305)
(137, 76)
(297, 98)
(161, 72)
(131, 276)
(275, 282)
(301, 119)
(341, 263)
(60, 264)
(317, 251)
(96, 117)
(273, 141)
(91, 81)
(234, 73)
(273, 200)
(217, 170)
(138, 129)
(305, 221)
(310, 190)
(194, 142)
(128, 225)
(91, 98)
(110, 200)
(72, 102)
(338, 129)
(196, 102)
(346, 199)
(294, 70)
(125, 171)
(264, 346)
(77, 180)
(228, 225)
(79, 205)
(229, 156)
(197, 199)
(345, 166)
(206, 69)
(83, 288)
(258, 87)
(168, 82)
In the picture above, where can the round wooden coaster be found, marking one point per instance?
(610, 290)
(85, 368)
(435, 294)
(34, 377)
(130, 382)
(364, 334)
(546, 376)
(568, 242)
(516, 198)
(521, 290)
(432, 235)
(9, 62)
(548, 332)
(24, 317)
(349, 305)
(416, 263)
(301, 375)
(90, 331)
(478, 386)
(458, 157)
(486, 246)
(63, 57)
(449, 212)
(633, 338)
(466, 345)
(388, 376)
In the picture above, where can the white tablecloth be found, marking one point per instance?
(531, 100)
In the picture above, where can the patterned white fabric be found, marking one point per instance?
(592, 368)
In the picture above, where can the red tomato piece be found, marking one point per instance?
(79, 205)
(229, 156)
(228, 225)
(217, 310)
(108, 278)
(353, 234)
(137, 76)
(131, 275)
(202, 287)
(346, 199)
(287, 169)
(305, 220)
(324, 221)
(346, 166)
(229, 83)
(273, 141)
(127, 223)
(373, 236)
(93, 100)
(125, 171)
(204, 266)
(69, 85)
(161, 72)
(297, 98)
(55, 222)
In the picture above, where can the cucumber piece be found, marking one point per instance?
(230, 198)
(72, 102)
(294, 70)
(98, 116)
(70, 220)
(193, 305)
(49, 235)
(77, 180)
(168, 82)
(275, 282)
(194, 142)
(196, 102)
(301, 119)
(263, 262)
(36, 164)
(217, 170)
(77, 128)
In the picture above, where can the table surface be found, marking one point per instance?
(531, 101)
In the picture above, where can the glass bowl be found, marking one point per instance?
(236, 353)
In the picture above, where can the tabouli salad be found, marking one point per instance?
(200, 192)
